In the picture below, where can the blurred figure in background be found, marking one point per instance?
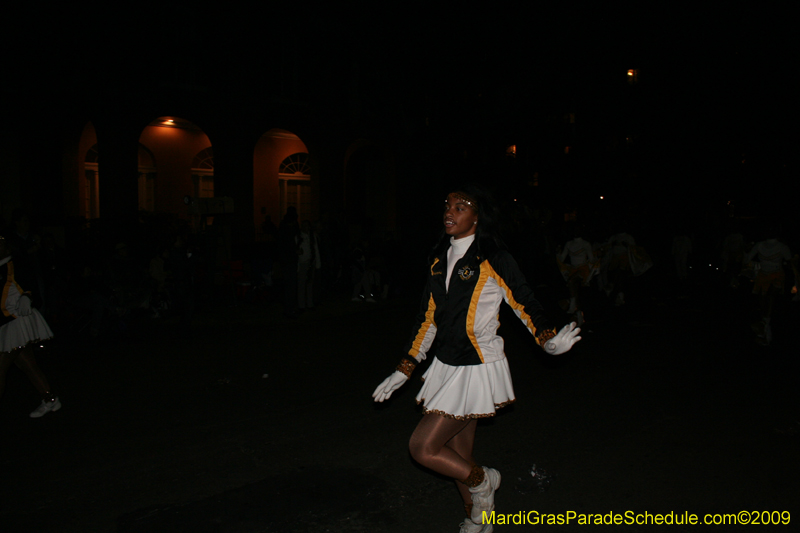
(365, 279)
(770, 255)
(578, 272)
(619, 266)
(681, 248)
(180, 265)
(308, 262)
(288, 252)
(21, 325)
(732, 256)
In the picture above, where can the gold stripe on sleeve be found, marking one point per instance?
(473, 306)
(515, 305)
(423, 330)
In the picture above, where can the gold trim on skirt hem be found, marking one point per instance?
(426, 411)
(34, 341)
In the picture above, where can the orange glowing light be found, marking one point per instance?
(630, 72)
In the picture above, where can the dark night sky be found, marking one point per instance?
(743, 58)
(716, 87)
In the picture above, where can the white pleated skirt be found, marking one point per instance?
(464, 392)
(24, 330)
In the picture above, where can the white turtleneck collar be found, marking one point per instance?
(458, 247)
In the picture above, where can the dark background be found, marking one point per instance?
(711, 119)
(668, 405)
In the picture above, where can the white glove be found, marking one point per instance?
(389, 385)
(24, 306)
(562, 342)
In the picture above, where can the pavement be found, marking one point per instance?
(253, 422)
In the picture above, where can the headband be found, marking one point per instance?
(461, 197)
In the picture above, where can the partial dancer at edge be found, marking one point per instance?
(20, 326)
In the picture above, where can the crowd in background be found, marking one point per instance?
(98, 280)
(105, 281)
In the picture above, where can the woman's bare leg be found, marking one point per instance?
(463, 444)
(430, 445)
(27, 363)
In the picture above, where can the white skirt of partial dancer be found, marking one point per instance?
(24, 330)
(464, 392)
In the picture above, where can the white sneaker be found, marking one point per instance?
(46, 407)
(483, 494)
(468, 526)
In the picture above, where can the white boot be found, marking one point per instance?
(46, 407)
(483, 494)
(468, 526)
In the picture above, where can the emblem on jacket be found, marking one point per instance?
(465, 273)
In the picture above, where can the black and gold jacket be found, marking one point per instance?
(464, 319)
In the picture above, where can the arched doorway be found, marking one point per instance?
(91, 183)
(147, 179)
(282, 176)
(203, 174)
(179, 151)
(294, 175)
(83, 176)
